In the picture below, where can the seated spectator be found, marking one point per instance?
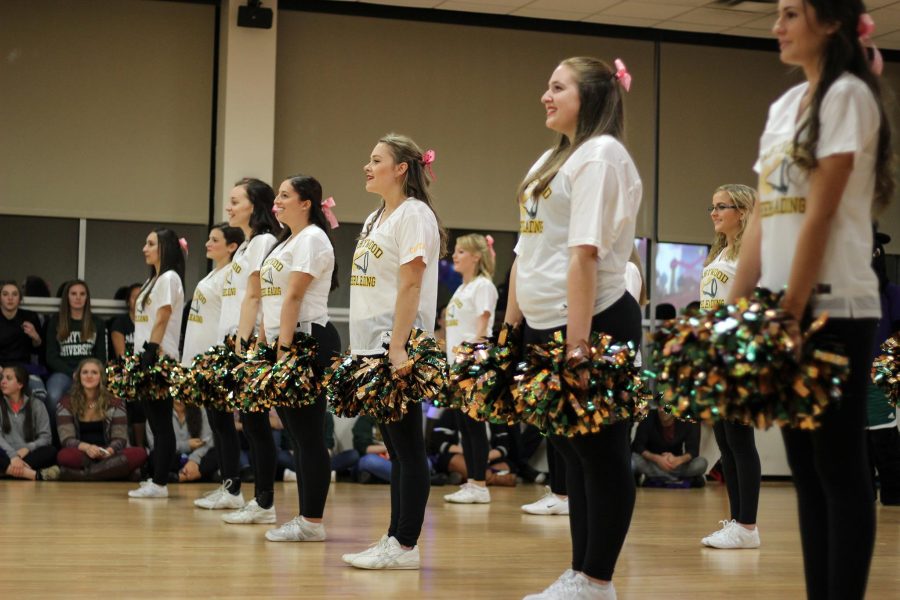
(72, 335)
(446, 446)
(527, 440)
(341, 462)
(666, 450)
(93, 430)
(25, 450)
(193, 439)
(20, 337)
(374, 462)
(121, 327)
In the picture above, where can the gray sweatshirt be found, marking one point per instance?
(12, 442)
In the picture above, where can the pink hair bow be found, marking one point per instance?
(490, 244)
(622, 74)
(865, 28)
(184, 245)
(327, 205)
(427, 159)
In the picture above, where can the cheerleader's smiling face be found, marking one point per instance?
(239, 208)
(726, 217)
(562, 102)
(289, 208)
(464, 261)
(382, 171)
(801, 36)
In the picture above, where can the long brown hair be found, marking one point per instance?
(744, 198)
(415, 182)
(78, 397)
(64, 327)
(844, 53)
(22, 377)
(602, 112)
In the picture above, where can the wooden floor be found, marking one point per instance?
(81, 540)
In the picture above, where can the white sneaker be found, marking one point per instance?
(251, 513)
(590, 590)
(725, 523)
(469, 493)
(297, 529)
(391, 555)
(290, 475)
(549, 504)
(374, 548)
(732, 537)
(563, 588)
(219, 499)
(148, 489)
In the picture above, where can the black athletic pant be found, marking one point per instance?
(410, 475)
(598, 466)
(227, 446)
(306, 426)
(159, 416)
(474, 444)
(556, 465)
(262, 455)
(39, 458)
(831, 473)
(884, 455)
(740, 464)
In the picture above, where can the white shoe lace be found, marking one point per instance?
(214, 493)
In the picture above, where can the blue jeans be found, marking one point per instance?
(57, 386)
(344, 461)
(376, 465)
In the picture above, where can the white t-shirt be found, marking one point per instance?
(633, 280)
(247, 260)
(167, 291)
(592, 200)
(202, 330)
(847, 286)
(716, 281)
(411, 231)
(309, 251)
(469, 302)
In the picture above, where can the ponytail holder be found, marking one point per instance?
(490, 244)
(865, 28)
(184, 245)
(622, 74)
(427, 159)
(327, 205)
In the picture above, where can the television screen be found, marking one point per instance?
(676, 273)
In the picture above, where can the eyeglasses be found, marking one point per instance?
(719, 208)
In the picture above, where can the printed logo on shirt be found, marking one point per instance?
(267, 277)
(450, 319)
(365, 248)
(198, 299)
(527, 222)
(73, 346)
(228, 288)
(788, 205)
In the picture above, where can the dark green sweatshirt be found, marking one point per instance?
(64, 356)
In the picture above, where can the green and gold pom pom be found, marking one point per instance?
(127, 380)
(291, 381)
(740, 363)
(886, 371)
(481, 379)
(367, 385)
(581, 395)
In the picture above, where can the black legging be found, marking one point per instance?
(159, 416)
(556, 466)
(474, 444)
(831, 473)
(263, 455)
(410, 475)
(740, 464)
(306, 426)
(227, 446)
(598, 466)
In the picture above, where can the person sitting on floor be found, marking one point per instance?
(193, 460)
(25, 449)
(93, 430)
(446, 445)
(666, 451)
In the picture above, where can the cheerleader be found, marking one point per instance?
(824, 168)
(730, 212)
(249, 208)
(470, 316)
(157, 329)
(296, 279)
(393, 288)
(202, 332)
(578, 207)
